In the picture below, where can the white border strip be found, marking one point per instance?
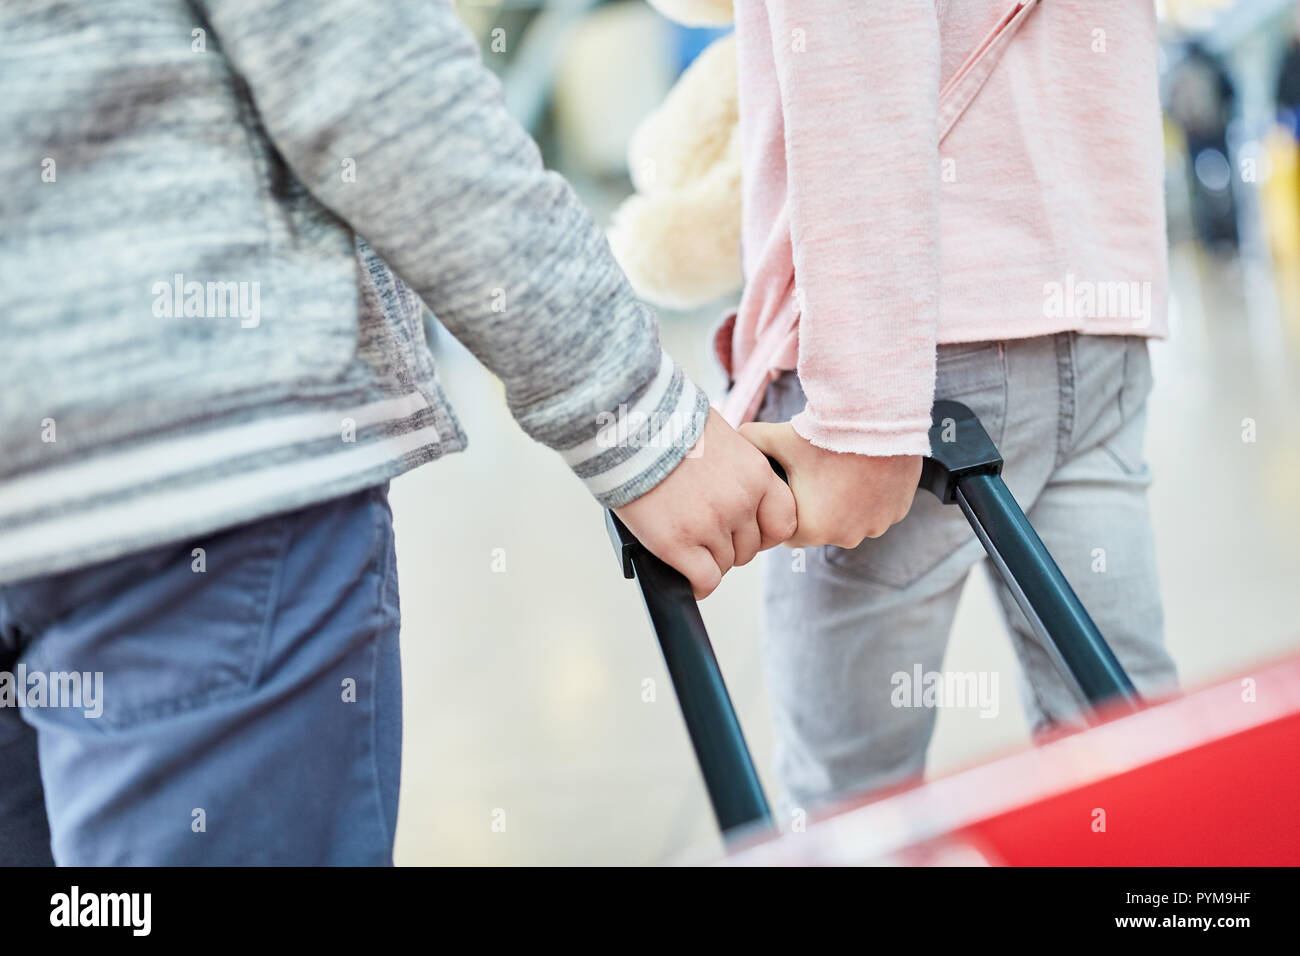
(115, 472)
(592, 447)
(156, 514)
(668, 435)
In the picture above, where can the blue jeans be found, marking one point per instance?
(250, 706)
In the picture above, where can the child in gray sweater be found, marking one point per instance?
(199, 355)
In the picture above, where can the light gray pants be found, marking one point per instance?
(1068, 413)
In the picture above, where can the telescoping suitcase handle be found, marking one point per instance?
(964, 468)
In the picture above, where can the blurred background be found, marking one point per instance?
(540, 725)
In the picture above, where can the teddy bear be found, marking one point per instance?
(678, 236)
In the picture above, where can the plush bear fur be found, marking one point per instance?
(678, 238)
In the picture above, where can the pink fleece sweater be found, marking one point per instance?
(1040, 211)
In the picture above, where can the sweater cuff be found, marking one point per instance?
(880, 439)
(638, 445)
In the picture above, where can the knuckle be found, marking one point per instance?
(745, 504)
(680, 536)
(723, 519)
(781, 530)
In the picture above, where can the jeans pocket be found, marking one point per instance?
(905, 553)
(1138, 379)
(170, 630)
(1125, 444)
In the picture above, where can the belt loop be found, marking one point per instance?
(1066, 395)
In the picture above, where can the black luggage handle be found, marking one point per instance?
(964, 468)
(711, 722)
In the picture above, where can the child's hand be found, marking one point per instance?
(842, 498)
(717, 509)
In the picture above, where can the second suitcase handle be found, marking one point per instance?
(964, 468)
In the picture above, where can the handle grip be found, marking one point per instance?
(779, 469)
(725, 761)
(964, 468)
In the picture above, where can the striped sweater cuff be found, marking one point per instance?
(638, 444)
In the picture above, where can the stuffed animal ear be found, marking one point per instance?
(696, 13)
(681, 248)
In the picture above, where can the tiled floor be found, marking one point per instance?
(529, 738)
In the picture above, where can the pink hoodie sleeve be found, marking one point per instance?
(859, 85)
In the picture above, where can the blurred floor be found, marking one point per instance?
(528, 661)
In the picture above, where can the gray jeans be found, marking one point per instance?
(1068, 414)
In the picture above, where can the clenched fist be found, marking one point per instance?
(842, 498)
(717, 509)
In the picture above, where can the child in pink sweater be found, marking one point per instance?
(943, 200)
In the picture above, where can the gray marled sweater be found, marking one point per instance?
(191, 332)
